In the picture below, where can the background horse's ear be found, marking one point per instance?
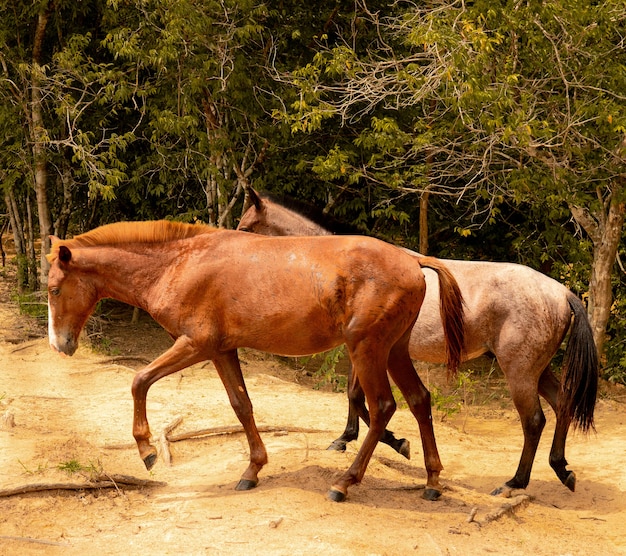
(54, 239)
(65, 255)
(256, 200)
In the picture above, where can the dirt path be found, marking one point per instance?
(77, 412)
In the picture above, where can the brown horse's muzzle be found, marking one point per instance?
(64, 341)
(63, 344)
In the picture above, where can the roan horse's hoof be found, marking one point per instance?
(149, 461)
(246, 484)
(337, 446)
(336, 495)
(431, 494)
(504, 491)
(405, 449)
(570, 481)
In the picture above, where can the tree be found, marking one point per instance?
(31, 36)
(487, 103)
(202, 132)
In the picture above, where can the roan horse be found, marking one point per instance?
(217, 290)
(518, 314)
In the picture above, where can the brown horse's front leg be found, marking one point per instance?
(181, 355)
(229, 369)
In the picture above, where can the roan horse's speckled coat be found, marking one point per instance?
(512, 311)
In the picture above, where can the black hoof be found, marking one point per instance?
(149, 461)
(336, 495)
(431, 494)
(337, 446)
(246, 484)
(504, 491)
(570, 481)
(405, 449)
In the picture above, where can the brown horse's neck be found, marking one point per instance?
(126, 275)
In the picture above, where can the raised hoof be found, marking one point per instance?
(570, 481)
(149, 461)
(246, 484)
(405, 449)
(431, 494)
(336, 495)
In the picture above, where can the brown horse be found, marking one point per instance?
(519, 315)
(217, 290)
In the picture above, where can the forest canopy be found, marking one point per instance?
(470, 130)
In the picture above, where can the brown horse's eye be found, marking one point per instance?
(244, 229)
(55, 291)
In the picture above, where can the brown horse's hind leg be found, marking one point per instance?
(375, 384)
(229, 370)
(548, 388)
(356, 409)
(418, 398)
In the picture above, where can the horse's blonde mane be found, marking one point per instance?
(156, 231)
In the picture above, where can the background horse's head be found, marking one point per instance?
(70, 300)
(269, 218)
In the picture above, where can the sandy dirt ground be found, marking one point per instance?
(66, 427)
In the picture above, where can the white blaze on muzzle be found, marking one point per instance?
(52, 337)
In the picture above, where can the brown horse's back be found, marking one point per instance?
(343, 284)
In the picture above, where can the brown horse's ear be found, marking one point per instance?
(65, 255)
(256, 200)
(53, 239)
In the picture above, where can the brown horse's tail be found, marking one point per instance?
(579, 379)
(452, 310)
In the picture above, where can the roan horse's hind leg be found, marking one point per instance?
(356, 409)
(548, 388)
(229, 370)
(533, 421)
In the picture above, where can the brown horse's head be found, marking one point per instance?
(70, 300)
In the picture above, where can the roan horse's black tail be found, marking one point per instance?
(579, 380)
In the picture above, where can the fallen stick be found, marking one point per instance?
(164, 441)
(219, 431)
(100, 481)
(35, 541)
(518, 503)
(117, 358)
(216, 431)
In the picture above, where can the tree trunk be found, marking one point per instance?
(605, 231)
(18, 241)
(210, 192)
(38, 133)
(604, 254)
(423, 248)
(33, 282)
(65, 211)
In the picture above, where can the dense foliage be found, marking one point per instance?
(486, 130)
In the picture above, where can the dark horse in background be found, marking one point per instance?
(217, 290)
(518, 314)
